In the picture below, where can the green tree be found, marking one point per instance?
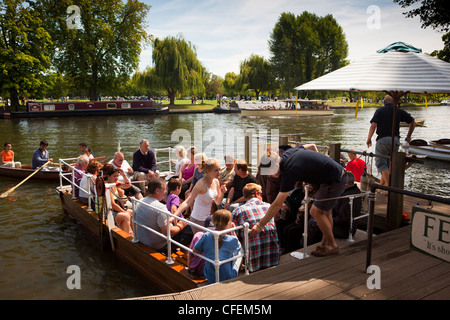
(105, 46)
(176, 68)
(24, 49)
(305, 47)
(434, 14)
(255, 74)
(230, 84)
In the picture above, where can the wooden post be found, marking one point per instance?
(335, 152)
(283, 140)
(248, 151)
(395, 200)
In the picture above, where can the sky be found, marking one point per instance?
(226, 32)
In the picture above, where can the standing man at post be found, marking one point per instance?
(144, 164)
(382, 123)
(299, 164)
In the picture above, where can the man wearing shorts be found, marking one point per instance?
(382, 123)
(299, 164)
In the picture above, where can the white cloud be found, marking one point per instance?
(227, 32)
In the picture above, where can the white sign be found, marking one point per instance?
(430, 233)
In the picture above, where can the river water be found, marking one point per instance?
(39, 243)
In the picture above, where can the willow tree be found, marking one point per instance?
(176, 67)
(24, 49)
(255, 74)
(102, 46)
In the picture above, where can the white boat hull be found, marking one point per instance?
(286, 112)
(439, 152)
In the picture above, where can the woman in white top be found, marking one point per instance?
(205, 191)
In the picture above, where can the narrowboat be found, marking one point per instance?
(89, 108)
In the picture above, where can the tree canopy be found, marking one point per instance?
(434, 14)
(24, 49)
(255, 74)
(305, 47)
(104, 47)
(176, 67)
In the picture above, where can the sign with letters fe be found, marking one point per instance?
(430, 233)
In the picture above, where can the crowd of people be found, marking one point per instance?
(221, 198)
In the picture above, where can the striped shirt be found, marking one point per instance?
(264, 248)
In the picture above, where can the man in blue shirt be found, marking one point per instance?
(41, 155)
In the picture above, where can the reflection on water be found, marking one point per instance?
(38, 242)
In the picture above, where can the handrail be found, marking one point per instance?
(63, 175)
(373, 188)
(217, 263)
(308, 199)
(169, 149)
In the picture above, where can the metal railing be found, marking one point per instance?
(169, 161)
(307, 201)
(370, 222)
(64, 176)
(217, 263)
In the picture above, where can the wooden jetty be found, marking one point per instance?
(405, 274)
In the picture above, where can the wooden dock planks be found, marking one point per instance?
(405, 275)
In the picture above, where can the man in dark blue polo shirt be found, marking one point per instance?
(382, 122)
(299, 164)
(144, 164)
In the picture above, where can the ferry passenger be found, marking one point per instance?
(355, 165)
(206, 191)
(41, 155)
(227, 173)
(85, 149)
(82, 164)
(173, 199)
(127, 172)
(229, 246)
(7, 157)
(186, 173)
(88, 181)
(299, 164)
(180, 153)
(153, 217)
(122, 215)
(241, 178)
(144, 164)
(264, 247)
(199, 160)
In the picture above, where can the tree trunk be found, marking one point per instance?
(14, 99)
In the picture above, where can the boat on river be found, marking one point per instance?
(231, 107)
(150, 263)
(437, 149)
(288, 107)
(89, 108)
(25, 170)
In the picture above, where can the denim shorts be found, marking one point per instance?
(383, 146)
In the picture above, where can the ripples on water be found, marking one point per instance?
(38, 242)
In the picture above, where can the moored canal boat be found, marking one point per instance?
(88, 108)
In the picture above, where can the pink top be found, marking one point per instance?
(188, 172)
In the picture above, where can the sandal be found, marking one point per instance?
(324, 252)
